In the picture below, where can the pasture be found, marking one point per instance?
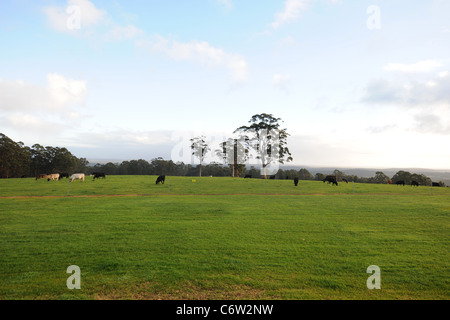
(222, 238)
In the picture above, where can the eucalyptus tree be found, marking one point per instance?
(268, 140)
(199, 149)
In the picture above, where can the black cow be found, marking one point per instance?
(435, 184)
(63, 175)
(331, 179)
(415, 184)
(161, 179)
(272, 177)
(401, 182)
(99, 175)
(345, 180)
(247, 176)
(296, 181)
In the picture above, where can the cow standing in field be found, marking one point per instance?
(247, 176)
(345, 180)
(77, 176)
(295, 181)
(435, 184)
(331, 179)
(161, 179)
(401, 182)
(389, 181)
(99, 175)
(415, 184)
(53, 177)
(63, 175)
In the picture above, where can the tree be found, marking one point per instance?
(402, 176)
(14, 160)
(304, 174)
(234, 152)
(380, 177)
(320, 176)
(199, 149)
(267, 140)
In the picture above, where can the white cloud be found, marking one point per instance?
(418, 67)
(281, 82)
(64, 91)
(58, 96)
(200, 52)
(291, 12)
(77, 14)
(123, 33)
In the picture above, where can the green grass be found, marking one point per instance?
(222, 238)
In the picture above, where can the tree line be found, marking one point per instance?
(18, 160)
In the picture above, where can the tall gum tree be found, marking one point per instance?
(268, 140)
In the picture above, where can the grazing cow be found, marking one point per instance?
(247, 176)
(76, 176)
(435, 184)
(415, 184)
(63, 175)
(296, 181)
(161, 179)
(53, 176)
(345, 180)
(272, 177)
(401, 182)
(331, 179)
(99, 175)
(41, 176)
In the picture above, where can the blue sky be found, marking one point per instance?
(357, 83)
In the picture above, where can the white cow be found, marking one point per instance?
(76, 176)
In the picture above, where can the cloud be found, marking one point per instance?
(40, 109)
(281, 82)
(119, 33)
(432, 123)
(419, 67)
(382, 129)
(291, 12)
(425, 101)
(77, 14)
(200, 52)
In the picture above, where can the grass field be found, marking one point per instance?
(222, 238)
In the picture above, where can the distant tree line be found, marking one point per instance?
(18, 160)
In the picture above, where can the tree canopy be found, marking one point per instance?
(268, 140)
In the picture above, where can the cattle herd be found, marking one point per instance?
(75, 176)
(330, 179)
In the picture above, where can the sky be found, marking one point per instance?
(356, 83)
